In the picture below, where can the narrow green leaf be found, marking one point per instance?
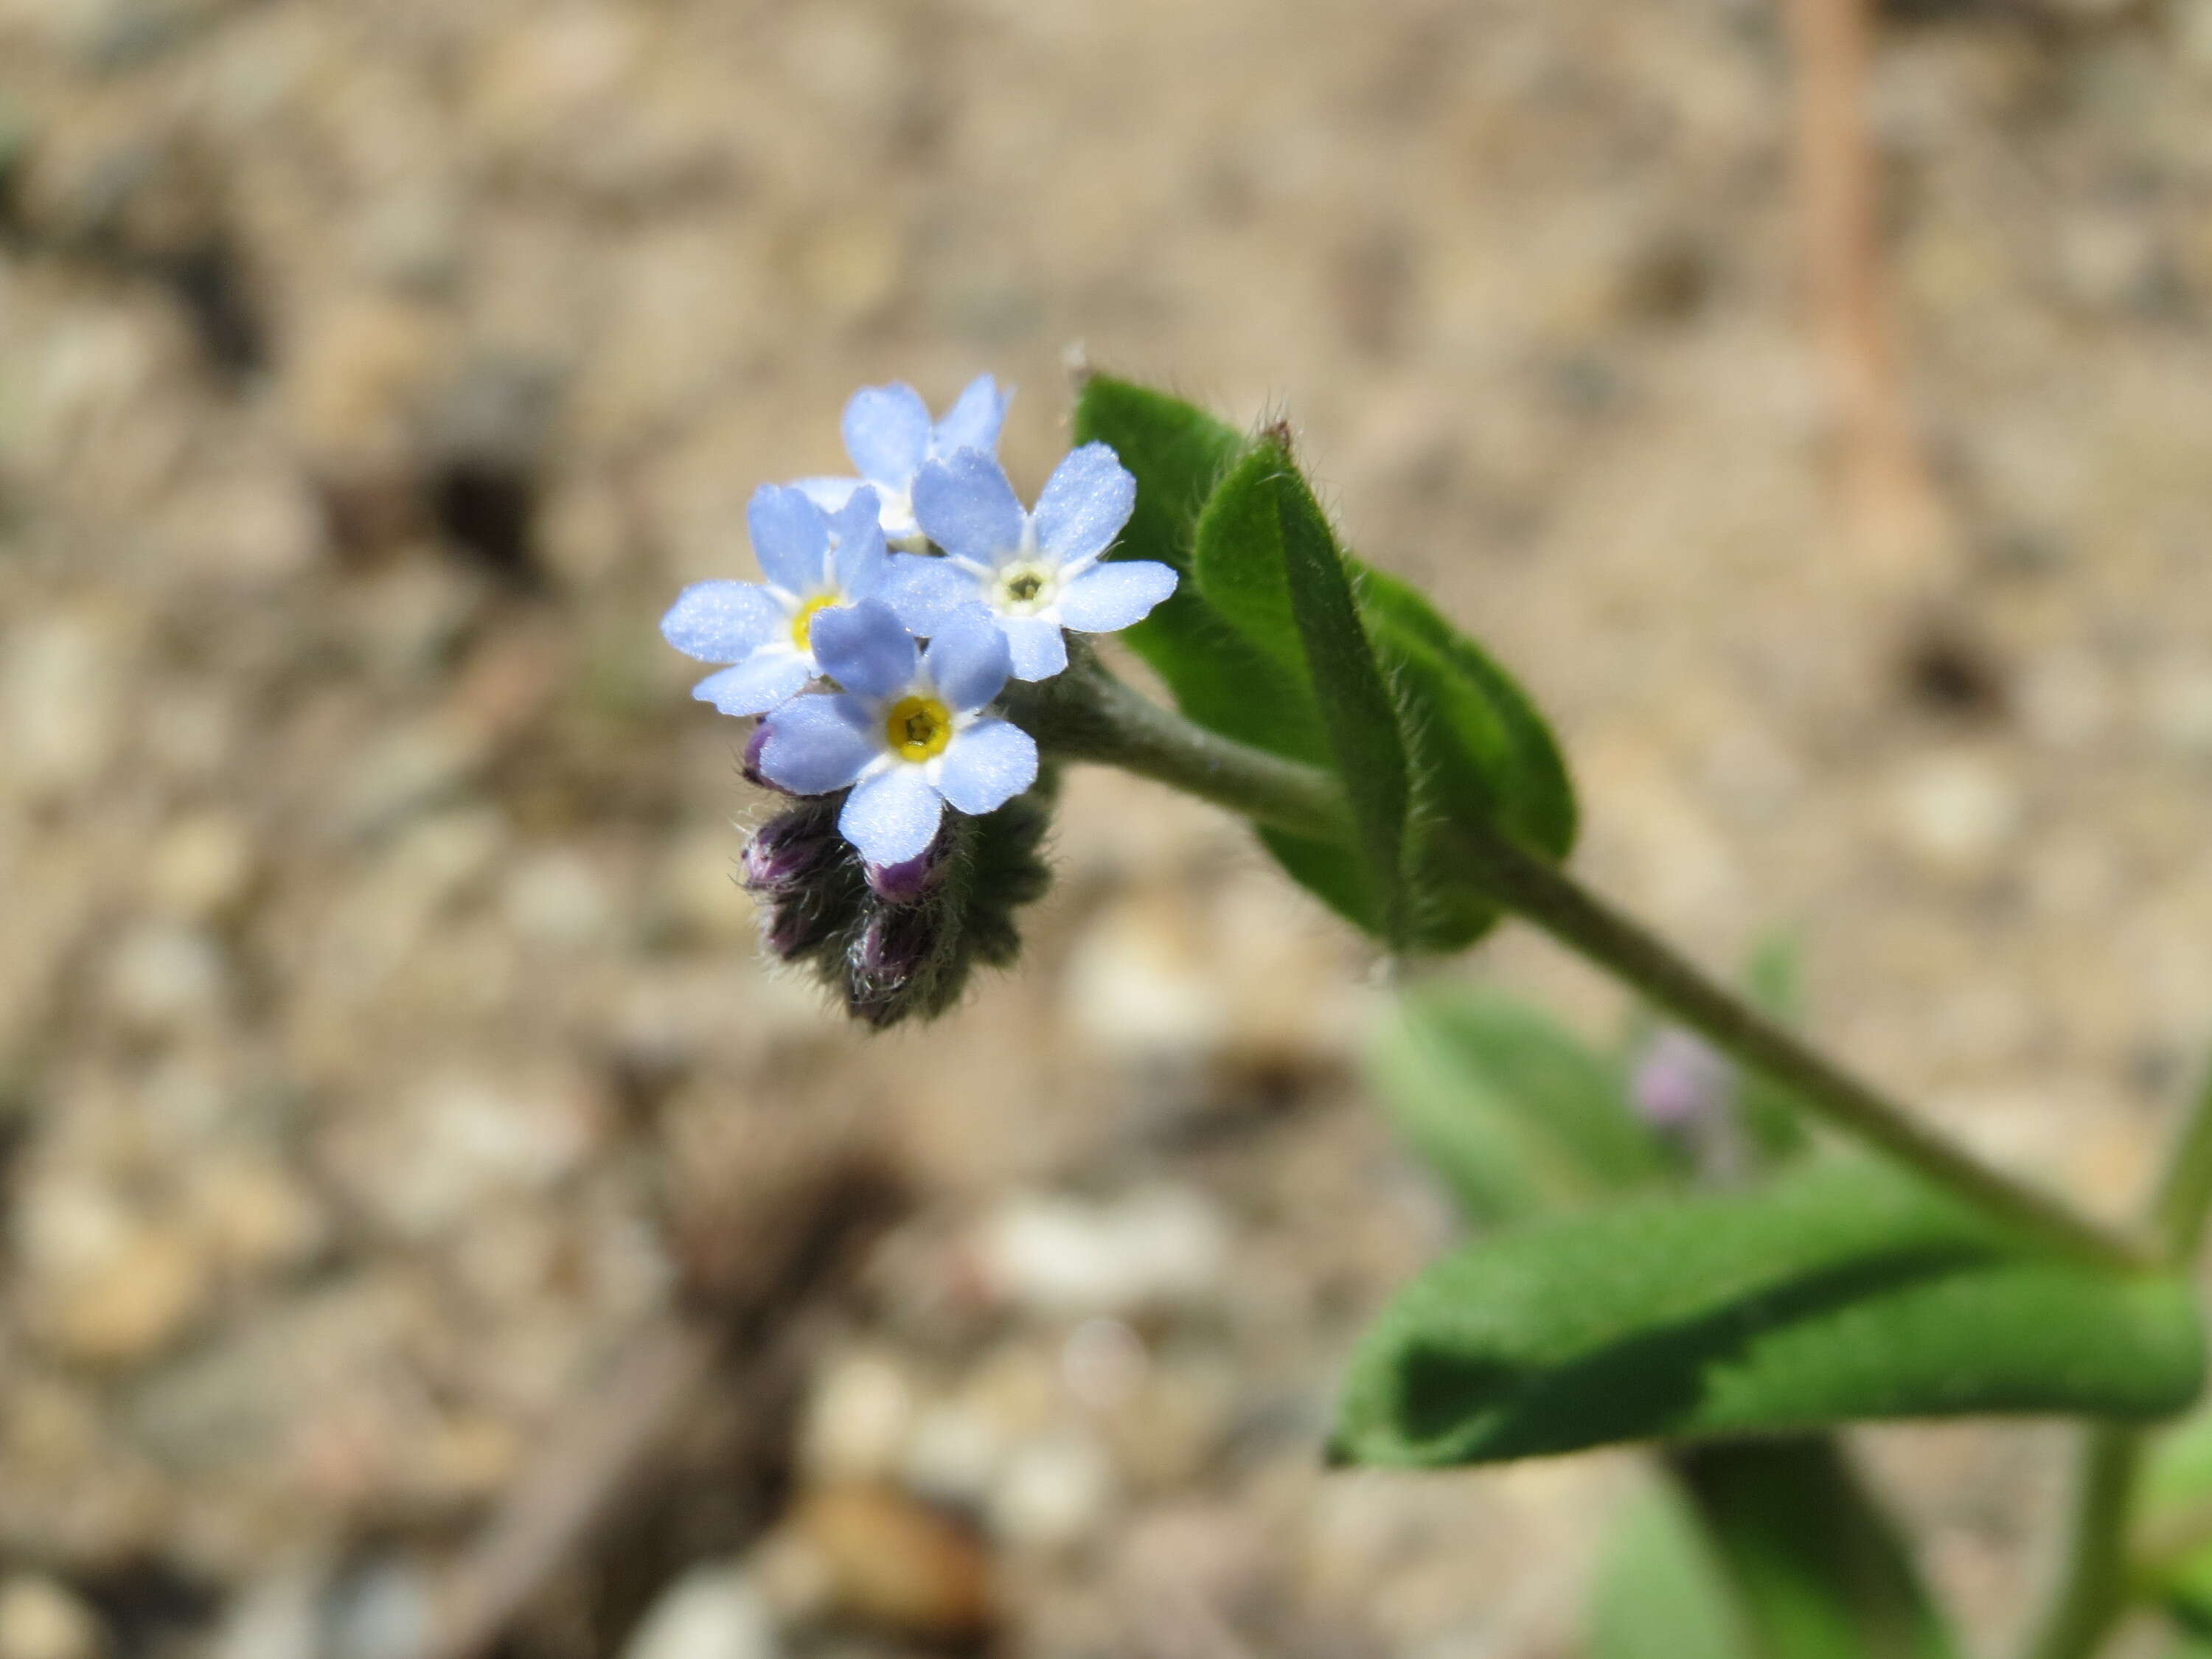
(1228, 646)
(1817, 1567)
(1219, 678)
(1356, 707)
(1517, 1115)
(1660, 1590)
(1266, 559)
(1842, 1291)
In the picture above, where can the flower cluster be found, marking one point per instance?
(874, 669)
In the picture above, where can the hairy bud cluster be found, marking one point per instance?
(898, 942)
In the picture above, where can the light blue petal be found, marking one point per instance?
(1036, 646)
(1114, 595)
(925, 591)
(1085, 502)
(987, 765)
(974, 420)
(861, 558)
(722, 622)
(828, 494)
(967, 659)
(791, 538)
(865, 647)
(966, 507)
(887, 433)
(893, 817)
(814, 745)
(771, 677)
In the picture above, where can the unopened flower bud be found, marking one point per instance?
(750, 767)
(906, 881)
(1680, 1082)
(784, 854)
(892, 952)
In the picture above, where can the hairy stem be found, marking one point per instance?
(1087, 713)
(2092, 1589)
(1542, 892)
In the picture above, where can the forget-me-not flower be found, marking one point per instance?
(905, 731)
(814, 561)
(1035, 572)
(890, 435)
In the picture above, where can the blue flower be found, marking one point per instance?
(889, 434)
(1035, 572)
(904, 730)
(813, 561)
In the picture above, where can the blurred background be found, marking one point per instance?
(427, 1229)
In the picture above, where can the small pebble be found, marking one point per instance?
(895, 1563)
(710, 1613)
(42, 1619)
(1063, 1257)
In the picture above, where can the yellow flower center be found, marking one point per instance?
(1026, 588)
(918, 728)
(802, 620)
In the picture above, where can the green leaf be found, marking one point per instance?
(1841, 1291)
(1660, 1590)
(1177, 454)
(1267, 560)
(1518, 1116)
(1818, 1570)
(1356, 707)
(1495, 754)
(2173, 1517)
(1228, 646)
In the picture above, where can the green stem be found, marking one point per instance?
(2093, 1590)
(1542, 892)
(2095, 1587)
(1087, 713)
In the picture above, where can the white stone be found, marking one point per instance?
(954, 1453)
(1052, 1494)
(1955, 812)
(857, 1421)
(1068, 1257)
(709, 1613)
(165, 978)
(60, 704)
(201, 866)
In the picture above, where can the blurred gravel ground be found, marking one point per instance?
(371, 375)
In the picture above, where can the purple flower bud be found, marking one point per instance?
(894, 948)
(1680, 1081)
(786, 852)
(904, 883)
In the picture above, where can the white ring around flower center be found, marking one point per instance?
(1025, 587)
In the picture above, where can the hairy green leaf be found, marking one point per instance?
(1229, 647)
(1517, 1115)
(1266, 559)
(1842, 1291)
(1660, 1590)
(1818, 1569)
